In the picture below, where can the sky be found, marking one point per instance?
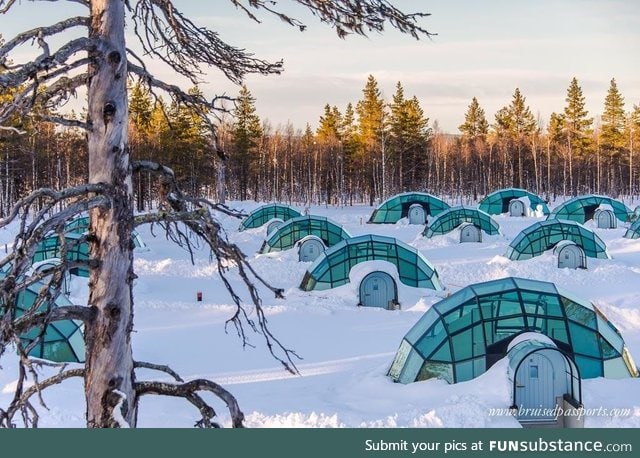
(482, 49)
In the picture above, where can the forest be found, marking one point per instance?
(362, 154)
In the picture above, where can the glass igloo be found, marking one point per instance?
(460, 337)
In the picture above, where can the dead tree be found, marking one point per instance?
(99, 60)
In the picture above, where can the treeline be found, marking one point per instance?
(365, 152)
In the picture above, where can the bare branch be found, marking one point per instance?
(22, 401)
(167, 34)
(27, 96)
(189, 390)
(54, 196)
(348, 17)
(168, 173)
(72, 312)
(159, 368)
(45, 62)
(76, 123)
(196, 102)
(198, 219)
(5, 5)
(40, 32)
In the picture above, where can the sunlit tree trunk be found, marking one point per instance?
(109, 366)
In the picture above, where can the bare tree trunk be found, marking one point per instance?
(109, 367)
(221, 183)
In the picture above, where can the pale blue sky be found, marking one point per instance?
(483, 49)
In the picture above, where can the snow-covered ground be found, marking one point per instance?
(345, 350)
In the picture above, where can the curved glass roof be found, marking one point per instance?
(460, 337)
(265, 213)
(397, 207)
(453, 217)
(497, 202)
(296, 229)
(634, 231)
(80, 225)
(582, 208)
(77, 250)
(62, 341)
(544, 235)
(331, 269)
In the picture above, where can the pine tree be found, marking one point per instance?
(475, 123)
(521, 125)
(140, 106)
(247, 130)
(576, 127)
(371, 117)
(330, 125)
(474, 133)
(350, 146)
(612, 138)
(408, 136)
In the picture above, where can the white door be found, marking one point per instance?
(310, 249)
(417, 214)
(569, 257)
(516, 208)
(536, 388)
(274, 225)
(470, 233)
(605, 220)
(377, 290)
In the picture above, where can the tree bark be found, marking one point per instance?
(109, 364)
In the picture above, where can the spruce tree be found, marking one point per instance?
(576, 122)
(612, 138)
(475, 123)
(576, 127)
(522, 125)
(351, 145)
(371, 115)
(246, 134)
(140, 106)
(330, 125)
(408, 136)
(474, 133)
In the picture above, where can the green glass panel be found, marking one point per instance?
(579, 314)
(399, 360)
(477, 336)
(557, 330)
(59, 352)
(455, 300)
(589, 367)
(585, 341)
(443, 353)
(412, 366)
(608, 351)
(609, 333)
(462, 317)
(510, 325)
(462, 345)
(431, 340)
(493, 287)
(423, 324)
(464, 371)
(436, 370)
(479, 366)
